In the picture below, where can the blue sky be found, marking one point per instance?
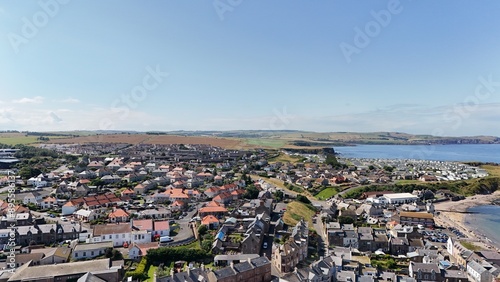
(412, 66)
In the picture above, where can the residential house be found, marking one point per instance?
(118, 215)
(253, 270)
(477, 272)
(118, 233)
(425, 272)
(90, 251)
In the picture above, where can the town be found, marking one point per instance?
(186, 212)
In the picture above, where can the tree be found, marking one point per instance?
(251, 192)
(26, 172)
(202, 230)
(279, 195)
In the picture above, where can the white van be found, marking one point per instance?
(166, 239)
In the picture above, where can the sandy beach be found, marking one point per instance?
(451, 214)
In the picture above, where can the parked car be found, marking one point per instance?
(265, 245)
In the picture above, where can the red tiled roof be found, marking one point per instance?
(207, 220)
(144, 224)
(161, 225)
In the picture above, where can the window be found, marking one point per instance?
(123, 235)
(92, 253)
(110, 236)
(84, 254)
(116, 236)
(76, 254)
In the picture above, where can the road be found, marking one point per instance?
(185, 231)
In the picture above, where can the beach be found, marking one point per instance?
(452, 214)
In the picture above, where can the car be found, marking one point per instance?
(52, 215)
(265, 245)
(64, 218)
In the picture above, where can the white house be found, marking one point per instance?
(118, 233)
(32, 198)
(90, 251)
(161, 228)
(477, 272)
(140, 236)
(400, 198)
(86, 215)
(48, 203)
(68, 208)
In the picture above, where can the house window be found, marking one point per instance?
(116, 236)
(76, 255)
(92, 253)
(110, 236)
(84, 254)
(123, 235)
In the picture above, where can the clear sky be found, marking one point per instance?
(428, 67)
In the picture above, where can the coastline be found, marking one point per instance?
(453, 214)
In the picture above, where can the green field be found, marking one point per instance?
(326, 193)
(17, 139)
(21, 138)
(266, 143)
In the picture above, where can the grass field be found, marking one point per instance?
(326, 193)
(21, 138)
(284, 158)
(266, 143)
(470, 246)
(297, 210)
(493, 170)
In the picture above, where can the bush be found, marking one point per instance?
(303, 199)
(168, 255)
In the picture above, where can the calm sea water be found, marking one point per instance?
(466, 152)
(486, 220)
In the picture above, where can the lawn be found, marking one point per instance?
(151, 273)
(297, 210)
(326, 193)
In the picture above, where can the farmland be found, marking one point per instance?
(22, 138)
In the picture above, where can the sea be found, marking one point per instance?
(454, 152)
(485, 219)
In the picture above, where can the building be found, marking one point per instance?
(90, 251)
(287, 256)
(103, 269)
(417, 218)
(477, 272)
(253, 270)
(118, 233)
(400, 198)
